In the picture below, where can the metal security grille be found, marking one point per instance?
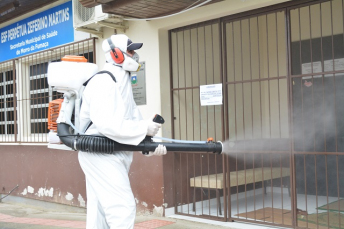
(25, 93)
(196, 60)
(7, 109)
(317, 87)
(252, 54)
(258, 121)
(282, 74)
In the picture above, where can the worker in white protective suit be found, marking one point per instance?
(110, 106)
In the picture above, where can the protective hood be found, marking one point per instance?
(121, 42)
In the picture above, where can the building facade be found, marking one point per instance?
(279, 67)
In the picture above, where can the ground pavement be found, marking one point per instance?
(17, 215)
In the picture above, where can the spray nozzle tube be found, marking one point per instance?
(102, 144)
(99, 144)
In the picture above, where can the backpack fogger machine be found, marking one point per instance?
(68, 77)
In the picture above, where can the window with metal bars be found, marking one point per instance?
(25, 93)
(39, 98)
(6, 103)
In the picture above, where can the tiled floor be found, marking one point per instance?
(259, 201)
(255, 204)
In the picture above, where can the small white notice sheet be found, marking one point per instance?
(211, 94)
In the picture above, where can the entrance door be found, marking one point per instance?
(196, 60)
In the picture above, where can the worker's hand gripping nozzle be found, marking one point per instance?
(148, 139)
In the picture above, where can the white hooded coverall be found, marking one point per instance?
(111, 107)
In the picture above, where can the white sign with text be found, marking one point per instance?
(211, 94)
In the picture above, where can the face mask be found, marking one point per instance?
(131, 65)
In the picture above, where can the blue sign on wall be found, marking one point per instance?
(45, 30)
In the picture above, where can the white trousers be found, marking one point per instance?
(110, 201)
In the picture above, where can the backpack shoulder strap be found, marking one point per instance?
(101, 72)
